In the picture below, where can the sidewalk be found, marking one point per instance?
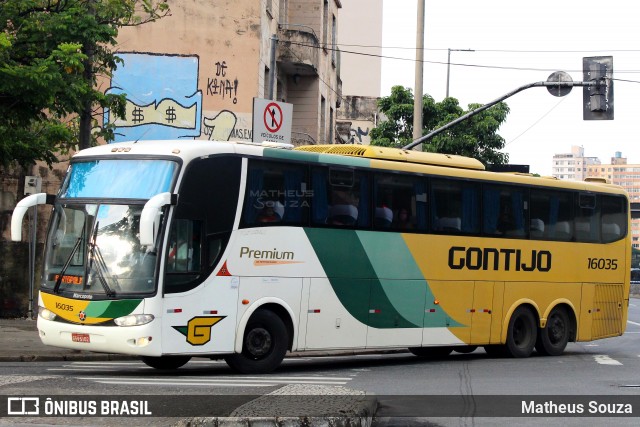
(19, 342)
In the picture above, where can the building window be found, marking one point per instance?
(333, 40)
(325, 25)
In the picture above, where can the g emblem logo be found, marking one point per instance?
(198, 330)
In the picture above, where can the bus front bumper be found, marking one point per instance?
(143, 340)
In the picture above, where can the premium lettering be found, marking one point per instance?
(495, 259)
(260, 254)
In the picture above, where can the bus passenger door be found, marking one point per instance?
(337, 313)
(482, 313)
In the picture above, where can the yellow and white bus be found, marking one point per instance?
(178, 249)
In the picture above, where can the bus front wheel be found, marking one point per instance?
(166, 362)
(553, 338)
(264, 345)
(522, 333)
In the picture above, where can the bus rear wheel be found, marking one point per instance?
(264, 345)
(166, 362)
(553, 338)
(522, 333)
(431, 352)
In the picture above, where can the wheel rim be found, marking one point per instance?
(556, 329)
(258, 342)
(521, 333)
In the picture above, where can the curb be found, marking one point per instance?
(86, 356)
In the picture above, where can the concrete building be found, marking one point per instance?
(194, 75)
(360, 40)
(572, 165)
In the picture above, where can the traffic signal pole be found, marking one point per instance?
(548, 84)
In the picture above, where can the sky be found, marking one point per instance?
(517, 43)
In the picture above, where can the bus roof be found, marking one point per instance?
(341, 154)
(396, 154)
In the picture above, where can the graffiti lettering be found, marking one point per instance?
(221, 69)
(219, 85)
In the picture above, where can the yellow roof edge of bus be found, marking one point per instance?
(395, 154)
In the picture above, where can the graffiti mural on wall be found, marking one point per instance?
(163, 100)
(220, 127)
(357, 134)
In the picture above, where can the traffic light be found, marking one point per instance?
(598, 99)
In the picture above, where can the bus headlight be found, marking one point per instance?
(134, 320)
(46, 314)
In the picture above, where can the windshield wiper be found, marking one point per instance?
(96, 254)
(56, 288)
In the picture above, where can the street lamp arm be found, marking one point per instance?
(491, 104)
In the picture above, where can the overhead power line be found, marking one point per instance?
(494, 67)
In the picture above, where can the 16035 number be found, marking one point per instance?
(602, 264)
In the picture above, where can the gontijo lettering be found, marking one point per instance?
(505, 259)
(265, 254)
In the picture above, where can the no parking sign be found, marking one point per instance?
(272, 121)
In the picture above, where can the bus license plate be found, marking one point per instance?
(80, 337)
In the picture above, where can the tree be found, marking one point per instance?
(476, 137)
(51, 54)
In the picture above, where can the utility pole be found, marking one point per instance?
(449, 64)
(417, 96)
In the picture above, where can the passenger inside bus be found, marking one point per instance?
(271, 212)
(403, 220)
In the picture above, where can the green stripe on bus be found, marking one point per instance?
(305, 156)
(357, 285)
(111, 309)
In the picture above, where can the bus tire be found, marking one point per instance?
(553, 338)
(166, 362)
(431, 352)
(264, 344)
(522, 333)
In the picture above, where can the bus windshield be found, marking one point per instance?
(94, 248)
(93, 245)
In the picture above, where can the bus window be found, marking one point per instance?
(400, 202)
(340, 198)
(276, 193)
(504, 211)
(614, 218)
(587, 219)
(455, 206)
(184, 246)
(550, 213)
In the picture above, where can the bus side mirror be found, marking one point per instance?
(22, 207)
(150, 217)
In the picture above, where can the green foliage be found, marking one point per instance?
(476, 137)
(51, 53)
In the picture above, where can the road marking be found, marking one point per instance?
(243, 381)
(606, 360)
(633, 323)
